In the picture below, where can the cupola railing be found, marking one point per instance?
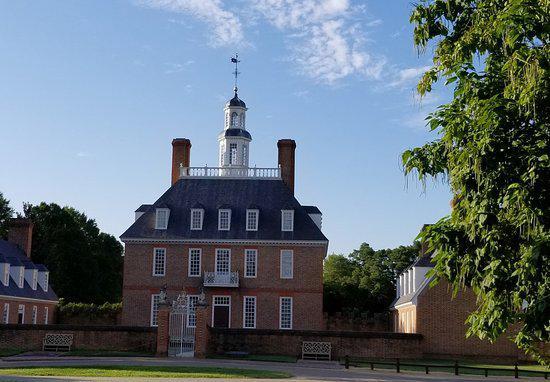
(231, 172)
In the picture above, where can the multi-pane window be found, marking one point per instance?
(191, 313)
(34, 279)
(252, 220)
(21, 277)
(6, 313)
(232, 153)
(224, 220)
(34, 314)
(161, 219)
(285, 310)
(249, 312)
(155, 299)
(46, 281)
(287, 264)
(287, 220)
(46, 315)
(194, 262)
(250, 262)
(21, 314)
(197, 215)
(245, 153)
(223, 261)
(159, 262)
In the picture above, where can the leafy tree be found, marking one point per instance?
(493, 148)
(364, 281)
(6, 212)
(85, 264)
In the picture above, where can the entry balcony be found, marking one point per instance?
(225, 280)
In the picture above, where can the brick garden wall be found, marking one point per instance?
(289, 342)
(30, 337)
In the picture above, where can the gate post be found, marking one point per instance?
(202, 334)
(163, 330)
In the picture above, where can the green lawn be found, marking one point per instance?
(106, 353)
(258, 357)
(436, 366)
(143, 371)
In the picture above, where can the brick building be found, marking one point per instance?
(234, 234)
(25, 296)
(440, 318)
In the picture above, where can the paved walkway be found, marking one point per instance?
(302, 371)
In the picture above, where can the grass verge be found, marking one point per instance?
(143, 371)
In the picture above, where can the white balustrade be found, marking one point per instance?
(214, 279)
(231, 172)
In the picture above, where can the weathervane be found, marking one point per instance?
(236, 61)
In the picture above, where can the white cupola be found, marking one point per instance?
(234, 139)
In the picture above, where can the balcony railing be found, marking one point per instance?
(213, 279)
(231, 172)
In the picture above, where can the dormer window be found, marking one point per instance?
(224, 219)
(6, 274)
(161, 221)
(46, 280)
(287, 220)
(34, 279)
(252, 219)
(197, 215)
(21, 278)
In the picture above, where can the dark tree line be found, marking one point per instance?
(85, 264)
(364, 281)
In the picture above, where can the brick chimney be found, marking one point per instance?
(181, 152)
(287, 148)
(20, 233)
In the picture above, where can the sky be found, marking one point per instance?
(93, 92)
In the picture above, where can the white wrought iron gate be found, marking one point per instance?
(182, 337)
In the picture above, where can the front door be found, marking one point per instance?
(221, 311)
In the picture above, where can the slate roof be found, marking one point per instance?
(236, 132)
(16, 256)
(312, 210)
(236, 101)
(143, 208)
(269, 196)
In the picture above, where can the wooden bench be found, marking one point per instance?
(57, 342)
(316, 350)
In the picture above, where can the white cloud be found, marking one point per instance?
(325, 43)
(226, 26)
(407, 76)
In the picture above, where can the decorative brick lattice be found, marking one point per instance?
(316, 350)
(57, 341)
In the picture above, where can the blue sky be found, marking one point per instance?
(92, 92)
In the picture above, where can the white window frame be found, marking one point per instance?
(154, 312)
(220, 211)
(34, 279)
(6, 275)
(247, 253)
(281, 312)
(284, 227)
(155, 260)
(251, 298)
(192, 226)
(21, 281)
(254, 227)
(34, 314)
(291, 252)
(46, 315)
(233, 154)
(6, 313)
(224, 296)
(21, 309)
(189, 261)
(46, 281)
(157, 222)
(191, 310)
(218, 250)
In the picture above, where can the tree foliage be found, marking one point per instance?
(85, 264)
(364, 281)
(6, 212)
(493, 147)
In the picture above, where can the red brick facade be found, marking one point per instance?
(441, 320)
(14, 305)
(305, 287)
